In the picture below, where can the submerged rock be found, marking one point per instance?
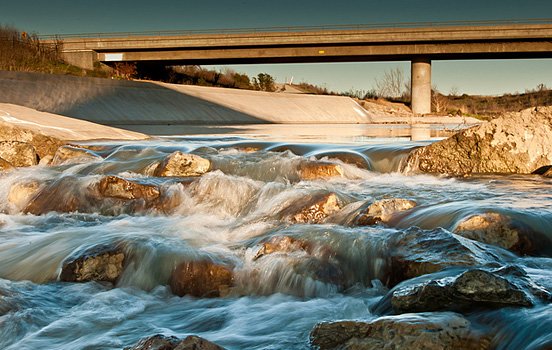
(515, 143)
(415, 252)
(280, 244)
(498, 229)
(313, 209)
(470, 289)
(383, 210)
(162, 342)
(445, 330)
(117, 187)
(71, 154)
(311, 170)
(22, 192)
(182, 165)
(202, 279)
(18, 154)
(349, 157)
(101, 264)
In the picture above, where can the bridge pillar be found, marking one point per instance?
(421, 85)
(81, 59)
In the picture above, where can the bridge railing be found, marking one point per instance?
(253, 30)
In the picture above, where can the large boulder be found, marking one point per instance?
(415, 252)
(120, 188)
(441, 331)
(471, 289)
(202, 278)
(515, 143)
(500, 230)
(43, 145)
(162, 342)
(5, 165)
(182, 165)
(100, 263)
(383, 210)
(71, 154)
(18, 154)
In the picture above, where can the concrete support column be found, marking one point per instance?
(421, 85)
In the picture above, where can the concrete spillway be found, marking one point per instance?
(140, 103)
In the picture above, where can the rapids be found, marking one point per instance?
(226, 215)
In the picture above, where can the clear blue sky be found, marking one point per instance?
(481, 77)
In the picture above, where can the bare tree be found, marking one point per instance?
(391, 84)
(439, 102)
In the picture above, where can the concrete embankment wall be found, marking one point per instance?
(139, 103)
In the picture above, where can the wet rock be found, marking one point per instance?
(101, 264)
(446, 330)
(499, 230)
(548, 173)
(202, 279)
(357, 159)
(5, 165)
(182, 165)
(319, 269)
(280, 244)
(71, 154)
(470, 289)
(162, 342)
(47, 160)
(22, 192)
(313, 209)
(43, 145)
(515, 143)
(382, 211)
(415, 252)
(117, 187)
(319, 170)
(18, 154)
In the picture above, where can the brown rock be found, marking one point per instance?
(18, 154)
(415, 252)
(382, 211)
(314, 209)
(162, 342)
(445, 330)
(348, 157)
(280, 244)
(319, 170)
(71, 154)
(182, 165)
(97, 264)
(22, 192)
(202, 278)
(44, 145)
(516, 143)
(117, 187)
(496, 229)
(5, 165)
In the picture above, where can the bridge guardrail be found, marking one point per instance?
(296, 28)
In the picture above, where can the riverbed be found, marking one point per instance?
(226, 215)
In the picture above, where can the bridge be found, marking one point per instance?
(419, 43)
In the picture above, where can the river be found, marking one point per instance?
(225, 215)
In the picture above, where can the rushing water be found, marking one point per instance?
(225, 215)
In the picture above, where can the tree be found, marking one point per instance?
(264, 82)
(392, 84)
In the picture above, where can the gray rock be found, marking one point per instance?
(444, 330)
(515, 143)
(18, 154)
(416, 252)
(100, 263)
(382, 211)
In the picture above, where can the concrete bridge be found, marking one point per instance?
(419, 43)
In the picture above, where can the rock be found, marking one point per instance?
(18, 154)
(383, 210)
(515, 143)
(71, 154)
(100, 263)
(314, 209)
(445, 330)
(280, 244)
(471, 289)
(548, 173)
(117, 187)
(5, 165)
(21, 193)
(182, 165)
(44, 145)
(415, 252)
(202, 279)
(47, 160)
(499, 230)
(311, 170)
(349, 157)
(162, 342)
